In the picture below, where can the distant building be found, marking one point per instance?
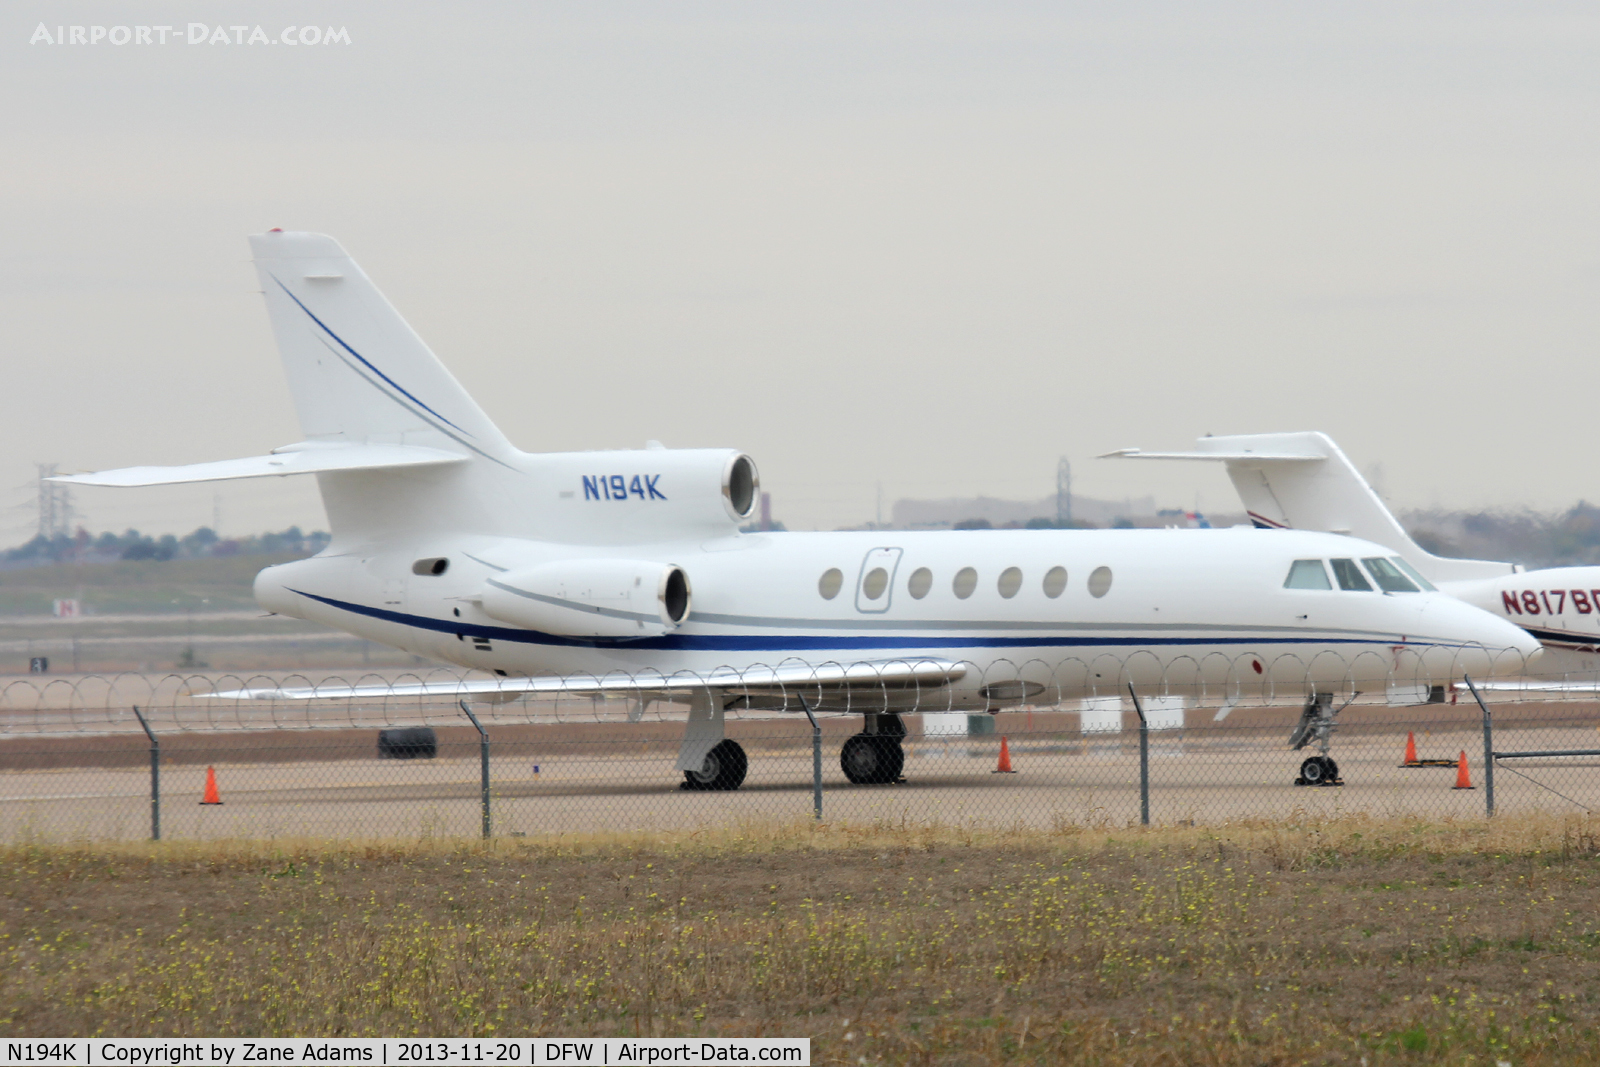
(941, 514)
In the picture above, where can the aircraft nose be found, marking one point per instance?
(1502, 647)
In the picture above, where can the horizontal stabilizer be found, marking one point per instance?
(1137, 453)
(897, 673)
(1303, 481)
(309, 458)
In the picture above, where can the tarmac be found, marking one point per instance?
(552, 781)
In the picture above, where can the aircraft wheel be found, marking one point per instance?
(872, 759)
(1318, 770)
(724, 768)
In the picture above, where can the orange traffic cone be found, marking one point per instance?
(211, 795)
(1463, 779)
(1005, 758)
(1410, 758)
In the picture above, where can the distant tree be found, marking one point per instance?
(197, 543)
(1122, 523)
(973, 524)
(1432, 543)
(1039, 522)
(138, 546)
(133, 545)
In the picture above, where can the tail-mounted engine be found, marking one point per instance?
(641, 496)
(591, 598)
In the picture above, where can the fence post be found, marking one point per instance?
(1488, 748)
(1144, 759)
(155, 775)
(816, 760)
(483, 764)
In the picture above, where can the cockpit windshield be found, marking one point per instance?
(1350, 577)
(1411, 572)
(1392, 575)
(1388, 576)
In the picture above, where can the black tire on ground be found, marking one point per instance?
(872, 759)
(724, 768)
(1318, 770)
(411, 742)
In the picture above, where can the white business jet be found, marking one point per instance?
(1303, 481)
(625, 572)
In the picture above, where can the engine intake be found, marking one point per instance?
(592, 598)
(741, 485)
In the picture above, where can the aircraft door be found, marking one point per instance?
(875, 586)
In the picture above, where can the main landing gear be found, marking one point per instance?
(722, 769)
(1317, 724)
(875, 756)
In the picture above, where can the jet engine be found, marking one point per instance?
(639, 496)
(591, 598)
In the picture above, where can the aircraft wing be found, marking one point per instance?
(307, 458)
(1514, 686)
(788, 676)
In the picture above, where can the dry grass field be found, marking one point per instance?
(1346, 941)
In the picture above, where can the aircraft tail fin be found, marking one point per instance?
(357, 371)
(396, 444)
(1303, 481)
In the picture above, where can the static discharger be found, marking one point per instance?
(211, 796)
(1004, 766)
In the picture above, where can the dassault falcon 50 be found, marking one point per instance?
(626, 572)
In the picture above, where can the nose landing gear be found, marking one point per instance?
(1317, 724)
(1319, 770)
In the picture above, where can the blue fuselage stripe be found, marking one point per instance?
(808, 643)
(1562, 637)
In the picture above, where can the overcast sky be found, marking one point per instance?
(928, 246)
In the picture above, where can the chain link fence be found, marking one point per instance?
(135, 756)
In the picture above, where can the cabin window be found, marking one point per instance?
(1055, 582)
(1350, 577)
(830, 583)
(1307, 574)
(433, 566)
(921, 581)
(966, 580)
(1388, 576)
(1411, 572)
(1100, 582)
(873, 585)
(1010, 581)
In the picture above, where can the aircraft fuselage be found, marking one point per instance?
(1180, 606)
